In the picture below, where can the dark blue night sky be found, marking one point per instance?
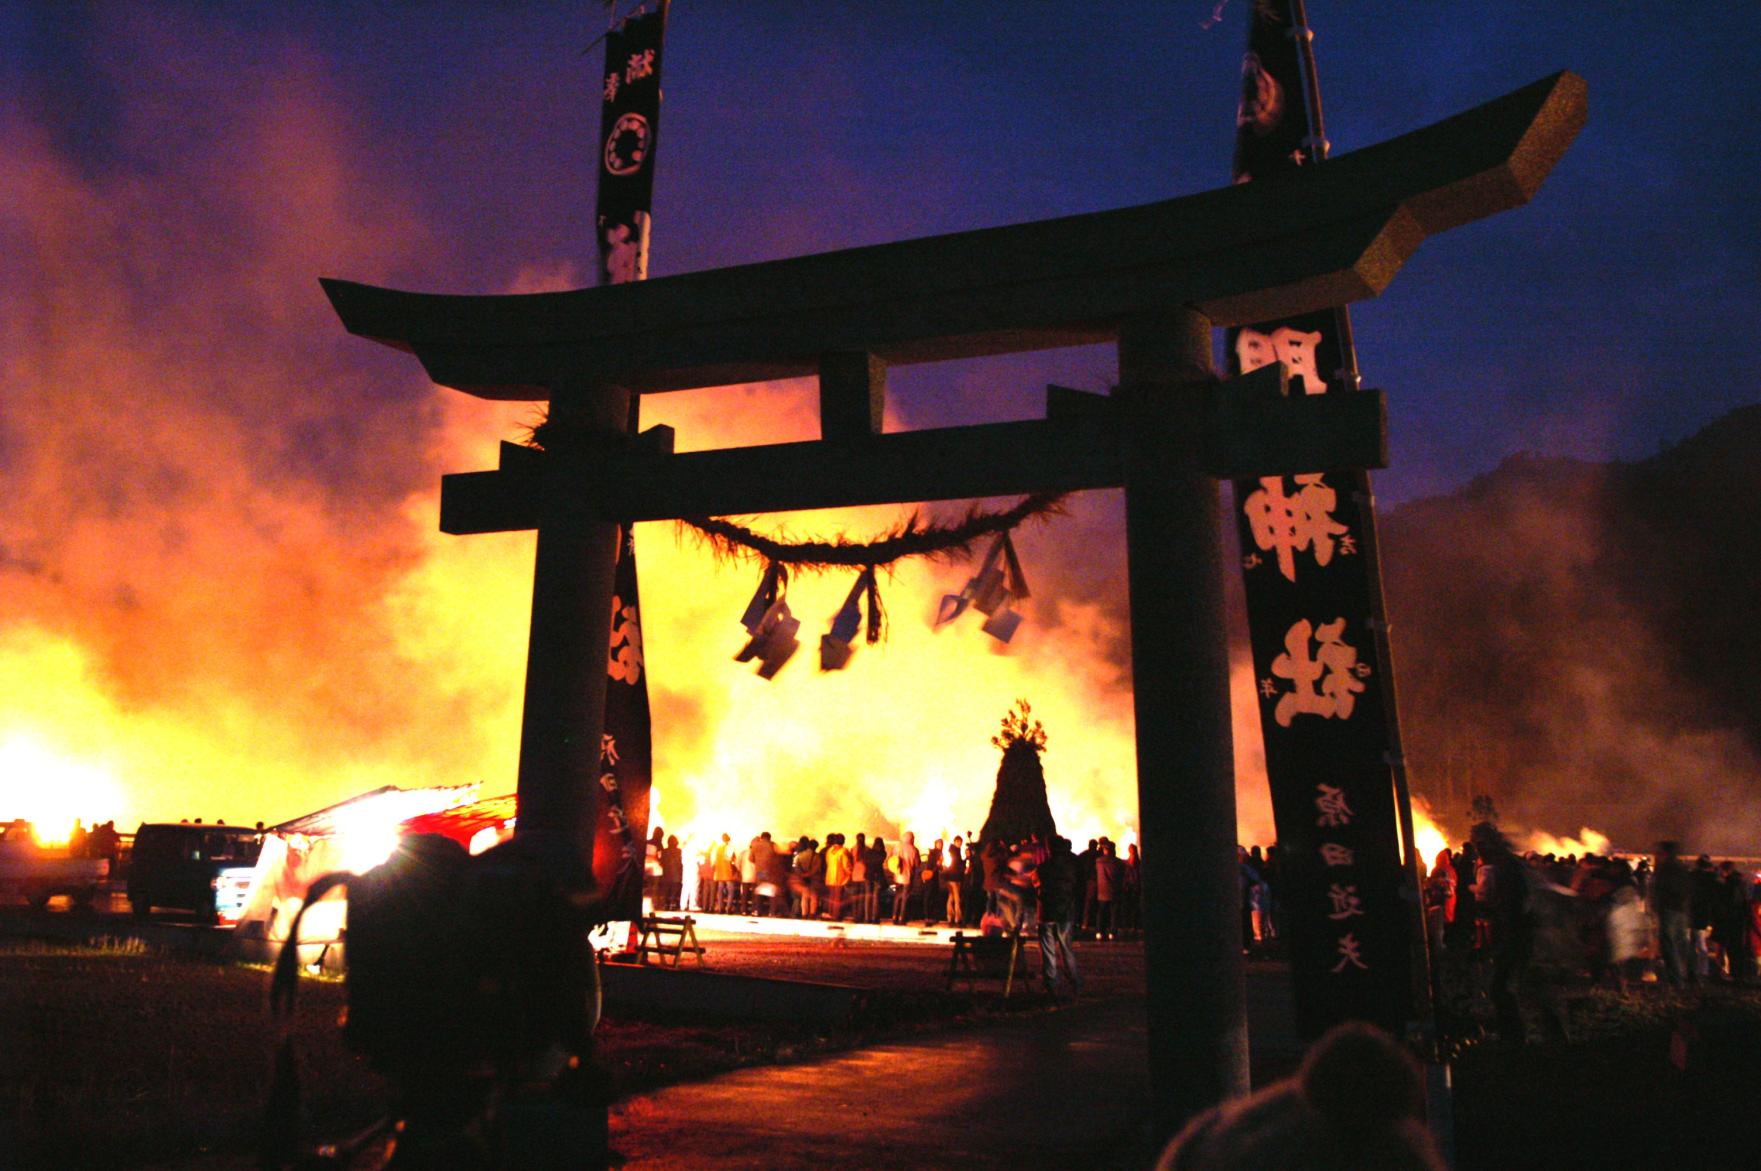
(1606, 318)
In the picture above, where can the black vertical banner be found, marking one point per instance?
(628, 122)
(626, 765)
(1313, 604)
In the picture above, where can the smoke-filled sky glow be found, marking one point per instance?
(222, 591)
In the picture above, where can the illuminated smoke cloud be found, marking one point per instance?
(222, 577)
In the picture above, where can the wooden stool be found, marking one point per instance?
(669, 939)
(986, 957)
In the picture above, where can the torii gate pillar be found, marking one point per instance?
(1180, 684)
(572, 578)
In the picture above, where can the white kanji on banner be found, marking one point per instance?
(1335, 812)
(1296, 348)
(1286, 524)
(625, 661)
(1325, 682)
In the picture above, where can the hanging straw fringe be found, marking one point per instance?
(914, 538)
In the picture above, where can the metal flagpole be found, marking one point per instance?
(1316, 147)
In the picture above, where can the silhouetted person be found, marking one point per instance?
(1131, 909)
(1059, 890)
(1704, 885)
(877, 880)
(1085, 866)
(1467, 907)
(724, 871)
(672, 873)
(1249, 883)
(1731, 923)
(929, 881)
(104, 842)
(1503, 894)
(1109, 890)
(905, 876)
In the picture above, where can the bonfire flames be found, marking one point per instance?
(900, 741)
(1432, 839)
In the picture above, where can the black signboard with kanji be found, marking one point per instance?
(626, 764)
(1312, 602)
(629, 122)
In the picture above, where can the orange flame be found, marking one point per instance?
(234, 602)
(1588, 841)
(50, 789)
(1428, 836)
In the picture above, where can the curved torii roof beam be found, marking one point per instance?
(1326, 235)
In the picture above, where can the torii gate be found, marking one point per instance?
(1155, 279)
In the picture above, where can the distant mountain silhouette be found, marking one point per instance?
(1582, 641)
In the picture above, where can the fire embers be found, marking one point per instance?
(992, 591)
(768, 621)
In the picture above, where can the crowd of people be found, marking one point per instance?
(101, 841)
(1603, 916)
(1505, 916)
(992, 885)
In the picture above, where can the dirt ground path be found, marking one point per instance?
(1066, 1089)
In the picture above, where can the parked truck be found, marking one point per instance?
(37, 873)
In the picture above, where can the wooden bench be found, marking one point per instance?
(986, 957)
(669, 939)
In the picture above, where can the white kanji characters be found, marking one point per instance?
(625, 657)
(1286, 524)
(1334, 811)
(1334, 854)
(1334, 667)
(1296, 348)
(611, 86)
(609, 782)
(1350, 952)
(608, 748)
(1345, 901)
(640, 65)
(623, 254)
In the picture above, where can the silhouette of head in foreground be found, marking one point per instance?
(1355, 1105)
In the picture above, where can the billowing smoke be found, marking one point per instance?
(1577, 641)
(203, 488)
(223, 588)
